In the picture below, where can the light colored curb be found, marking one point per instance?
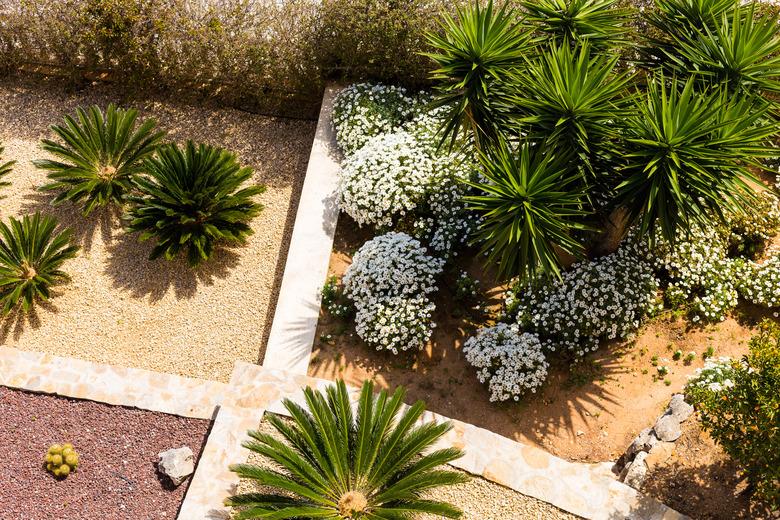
(298, 308)
(133, 387)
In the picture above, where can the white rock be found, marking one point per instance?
(678, 408)
(636, 472)
(176, 464)
(667, 428)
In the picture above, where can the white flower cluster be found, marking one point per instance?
(596, 300)
(363, 110)
(715, 375)
(510, 362)
(759, 283)
(386, 179)
(389, 281)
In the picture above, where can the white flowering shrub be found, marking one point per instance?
(759, 283)
(389, 281)
(595, 300)
(386, 179)
(364, 110)
(510, 362)
(714, 376)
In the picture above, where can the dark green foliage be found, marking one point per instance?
(688, 155)
(571, 22)
(98, 156)
(190, 199)
(474, 55)
(31, 254)
(529, 203)
(5, 169)
(371, 464)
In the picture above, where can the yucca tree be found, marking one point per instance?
(530, 204)
(689, 155)
(189, 199)
(573, 22)
(5, 169)
(31, 254)
(474, 54)
(98, 155)
(373, 463)
(573, 101)
(684, 18)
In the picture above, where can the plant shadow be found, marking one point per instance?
(130, 269)
(17, 321)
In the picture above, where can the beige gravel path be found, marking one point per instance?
(124, 310)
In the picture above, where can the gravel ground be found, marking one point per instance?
(124, 310)
(479, 499)
(116, 478)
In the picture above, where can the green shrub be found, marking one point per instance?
(98, 156)
(739, 405)
(570, 22)
(191, 199)
(31, 254)
(374, 462)
(61, 460)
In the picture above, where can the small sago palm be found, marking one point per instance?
(574, 22)
(373, 463)
(689, 156)
(98, 156)
(5, 169)
(530, 203)
(474, 54)
(31, 254)
(190, 199)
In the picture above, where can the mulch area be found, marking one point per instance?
(117, 476)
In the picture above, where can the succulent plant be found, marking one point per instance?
(61, 460)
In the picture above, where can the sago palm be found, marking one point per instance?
(574, 22)
(98, 155)
(474, 55)
(31, 254)
(373, 463)
(190, 199)
(530, 204)
(689, 156)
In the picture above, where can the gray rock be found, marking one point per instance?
(642, 442)
(636, 472)
(678, 408)
(176, 464)
(659, 455)
(667, 428)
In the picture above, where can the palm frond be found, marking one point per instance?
(574, 22)
(5, 169)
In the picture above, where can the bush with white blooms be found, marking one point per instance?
(595, 300)
(759, 283)
(509, 361)
(389, 281)
(364, 110)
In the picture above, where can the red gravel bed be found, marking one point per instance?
(117, 476)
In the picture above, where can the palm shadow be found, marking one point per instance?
(17, 321)
(130, 269)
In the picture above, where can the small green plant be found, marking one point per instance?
(31, 254)
(662, 370)
(192, 198)
(708, 353)
(334, 301)
(668, 382)
(5, 169)
(61, 460)
(677, 356)
(689, 357)
(373, 462)
(654, 361)
(98, 156)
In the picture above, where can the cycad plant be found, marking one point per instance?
(191, 198)
(689, 156)
(98, 155)
(530, 203)
(371, 463)
(573, 22)
(474, 55)
(5, 169)
(31, 254)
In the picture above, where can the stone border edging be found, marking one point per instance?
(298, 307)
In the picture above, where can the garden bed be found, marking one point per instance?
(116, 476)
(121, 308)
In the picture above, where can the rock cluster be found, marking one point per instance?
(654, 446)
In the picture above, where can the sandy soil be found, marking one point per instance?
(122, 309)
(589, 414)
(116, 479)
(479, 499)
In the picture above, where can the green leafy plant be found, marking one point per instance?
(529, 204)
(349, 465)
(98, 156)
(5, 169)
(192, 198)
(570, 22)
(688, 156)
(474, 54)
(61, 460)
(31, 254)
(680, 19)
(739, 406)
